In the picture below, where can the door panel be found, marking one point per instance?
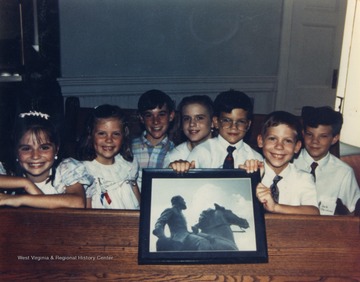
(314, 53)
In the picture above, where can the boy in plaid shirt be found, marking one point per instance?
(156, 112)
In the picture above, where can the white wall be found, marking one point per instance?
(114, 50)
(350, 76)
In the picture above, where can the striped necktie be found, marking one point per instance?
(313, 166)
(275, 189)
(229, 160)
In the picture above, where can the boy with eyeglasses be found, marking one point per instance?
(232, 118)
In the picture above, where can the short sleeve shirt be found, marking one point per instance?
(180, 152)
(334, 179)
(296, 188)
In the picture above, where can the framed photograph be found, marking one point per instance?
(203, 216)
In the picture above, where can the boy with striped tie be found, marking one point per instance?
(283, 188)
(336, 185)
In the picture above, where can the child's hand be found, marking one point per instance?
(31, 188)
(13, 182)
(263, 193)
(253, 165)
(181, 166)
(8, 200)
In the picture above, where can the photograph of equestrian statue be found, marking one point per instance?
(202, 216)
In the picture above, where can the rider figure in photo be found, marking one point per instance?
(181, 238)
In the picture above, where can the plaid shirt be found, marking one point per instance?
(149, 156)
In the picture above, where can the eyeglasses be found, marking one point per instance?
(228, 123)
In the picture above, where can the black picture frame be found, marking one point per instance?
(220, 193)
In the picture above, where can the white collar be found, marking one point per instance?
(226, 144)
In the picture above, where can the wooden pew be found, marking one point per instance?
(58, 245)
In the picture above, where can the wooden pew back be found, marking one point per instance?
(62, 245)
(75, 118)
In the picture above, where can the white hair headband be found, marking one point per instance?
(34, 114)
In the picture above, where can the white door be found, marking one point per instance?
(311, 47)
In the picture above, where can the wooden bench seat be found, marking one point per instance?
(58, 245)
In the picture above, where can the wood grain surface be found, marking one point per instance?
(62, 245)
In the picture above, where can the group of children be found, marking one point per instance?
(296, 177)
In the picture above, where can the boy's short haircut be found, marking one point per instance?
(227, 101)
(203, 100)
(313, 117)
(155, 98)
(281, 117)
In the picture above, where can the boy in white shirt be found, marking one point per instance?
(336, 185)
(284, 188)
(232, 118)
(196, 121)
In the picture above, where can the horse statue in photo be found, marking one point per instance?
(213, 228)
(215, 225)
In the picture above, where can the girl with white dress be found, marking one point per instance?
(46, 181)
(106, 153)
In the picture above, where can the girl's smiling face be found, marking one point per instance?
(36, 155)
(107, 137)
(279, 146)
